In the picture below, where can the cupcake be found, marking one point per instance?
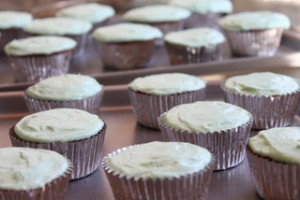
(159, 170)
(271, 98)
(127, 45)
(95, 13)
(37, 174)
(11, 23)
(274, 159)
(67, 91)
(76, 134)
(40, 57)
(74, 28)
(220, 127)
(194, 46)
(254, 33)
(153, 95)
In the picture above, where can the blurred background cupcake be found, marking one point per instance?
(40, 57)
(159, 170)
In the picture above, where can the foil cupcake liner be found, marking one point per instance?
(268, 111)
(203, 20)
(189, 187)
(85, 154)
(91, 104)
(254, 43)
(39, 67)
(227, 146)
(126, 55)
(7, 35)
(81, 44)
(147, 108)
(55, 189)
(179, 54)
(274, 180)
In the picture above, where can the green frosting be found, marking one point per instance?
(198, 37)
(157, 13)
(92, 12)
(44, 45)
(14, 19)
(165, 84)
(206, 117)
(26, 168)
(64, 88)
(126, 32)
(262, 84)
(160, 160)
(58, 125)
(258, 20)
(58, 26)
(280, 144)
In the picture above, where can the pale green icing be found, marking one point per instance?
(58, 125)
(165, 84)
(258, 20)
(26, 168)
(58, 26)
(206, 117)
(92, 12)
(66, 87)
(262, 84)
(39, 45)
(160, 160)
(14, 19)
(204, 6)
(198, 37)
(126, 32)
(280, 144)
(157, 13)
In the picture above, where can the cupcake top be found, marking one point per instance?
(64, 88)
(262, 84)
(39, 45)
(58, 26)
(26, 168)
(92, 12)
(258, 20)
(204, 6)
(197, 37)
(157, 13)
(206, 117)
(126, 32)
(280, 144)
(166, 84)
(58, 125)
(159, 160)
(14, 19)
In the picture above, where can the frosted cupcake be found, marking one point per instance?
(127, 45)
(194, 46)
(33, 174)
(271, 98)
(68, 91)
(254, 33)
(220, 127)
(37, 58)
(76, 134)
(153, 95)
(11, 23)
(274, 159)
(159, 170)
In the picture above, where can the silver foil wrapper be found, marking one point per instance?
(254, 43)
(81, 44)
(91, 104)
(189, 187)
(268, 111)
(147, 108)
(227, 146)
(39, 67)
(274, 180)
(85, 154)
(203, 20)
